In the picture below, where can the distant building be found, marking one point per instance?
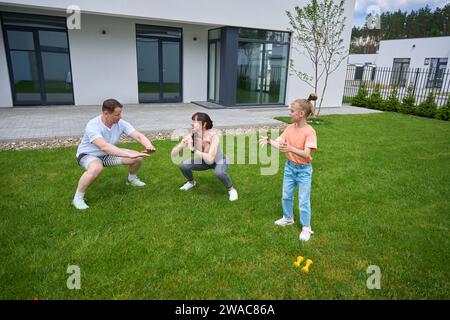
(404, 57)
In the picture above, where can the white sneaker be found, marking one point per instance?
(188, 186)
(233, 195)
(79, 204)
(136, 182)
(284, 222)
(305, 234)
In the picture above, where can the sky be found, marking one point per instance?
(361, 7)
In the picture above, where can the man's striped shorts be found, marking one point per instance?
(107, 160)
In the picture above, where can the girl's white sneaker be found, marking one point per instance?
(305, 234)
(284, 222)
(233, 195)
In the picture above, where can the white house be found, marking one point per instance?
(405, 61)
(230, 52)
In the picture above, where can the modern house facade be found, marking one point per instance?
(233, 53)
(419, 65)
(403, 56)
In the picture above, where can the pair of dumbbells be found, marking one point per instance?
(300, 259)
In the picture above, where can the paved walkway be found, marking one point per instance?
(69, 121)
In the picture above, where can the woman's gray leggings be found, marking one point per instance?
(196, 164)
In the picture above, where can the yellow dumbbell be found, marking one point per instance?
(299, 261)
(308, 264)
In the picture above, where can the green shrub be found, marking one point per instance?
(443, 113)
(392, 103)
(375, 100)
(428, 107)
(360, 100)
(408, 103)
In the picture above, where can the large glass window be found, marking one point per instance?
(262, 67)
(436, 72)
(274, 78)
(250, 68)
(171, 70)
(38, 59)
(399, 74)
(264, 35)
(159, 63)
(247, 66)
(148, 69)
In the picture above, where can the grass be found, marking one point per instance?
(51, 86)
(247, 96)
(380, 196)
(151, 87)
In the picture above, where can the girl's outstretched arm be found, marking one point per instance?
(266, 140)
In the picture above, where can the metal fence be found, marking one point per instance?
(422, 81)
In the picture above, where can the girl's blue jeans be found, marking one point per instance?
(297, 175)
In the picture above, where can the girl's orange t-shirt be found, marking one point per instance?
(299, 138)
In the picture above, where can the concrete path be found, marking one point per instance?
(69, 121)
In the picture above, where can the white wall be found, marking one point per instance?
(104, 66)
(265, 14)
(437, 47)
(5, 87)
(195, 63)
(362, 59)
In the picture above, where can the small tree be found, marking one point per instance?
(392, 103)
(375, 100)
(408, 103)
(443, 112)
(318, 30)
(360, 100)
(427, 108)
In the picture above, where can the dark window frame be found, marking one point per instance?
(38, 54)
(399, 81)
(215, 41)
(433, 80)
(161, 78)
(263, 74)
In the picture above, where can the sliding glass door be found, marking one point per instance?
(171, 70)
(214, 65)
(250, 71)
(261, 67)
(275, 72)
(213, 71)
(159, 64)
(38, 59)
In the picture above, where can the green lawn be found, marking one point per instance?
(380, 196)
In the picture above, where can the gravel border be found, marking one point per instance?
(31, 144)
